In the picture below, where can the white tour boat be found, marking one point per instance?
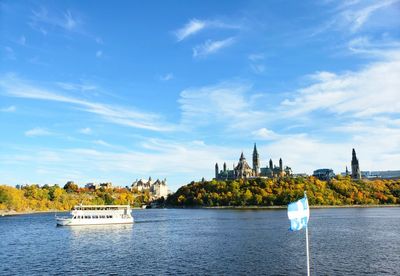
(97, 214)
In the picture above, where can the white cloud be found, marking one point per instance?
(76, 86)
(37, 131)
(158, 158)
(195, 25)
(13, 86)
(227, 105)
(265, 134)
(86, 130)
(167, 77)
(102, 143)
(365, 46)
(192, 27)
(211, 47)
(370, 91)
(256, 63)
(11, 108)
(42, 19)
(257, 68)
(256, 57)
(357, 18)
(99, 54)
(70, 22)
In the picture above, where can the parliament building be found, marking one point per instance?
(243, 169)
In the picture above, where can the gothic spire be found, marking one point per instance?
(255, 149)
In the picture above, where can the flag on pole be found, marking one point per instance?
(298, 213)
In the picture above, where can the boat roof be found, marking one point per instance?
(101, 207)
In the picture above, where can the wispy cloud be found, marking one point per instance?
(354, 17)
(69, 21)
(363, 45)
(102, 143)
(195, 25)
(86, 130)
(22, 40)
(99, 54)
(38, 131)
(11, 108)
(13, 86)
(167, 77)
(358, 17)
(228, 105)
(265, 134)
(9, 53)
(42, 19)
(76, 86)
(211, 47)
(190, 28)
(256, 63)
(370, 91)
(156, 157)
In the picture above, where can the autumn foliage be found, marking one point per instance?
(281, 191)
(35, 198)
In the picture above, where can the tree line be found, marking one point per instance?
(243, 192)
(281, 191)
(53, 197)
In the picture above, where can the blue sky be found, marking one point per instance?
(96, 91)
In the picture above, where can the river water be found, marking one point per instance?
(343, 241)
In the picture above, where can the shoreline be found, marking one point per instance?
(311, 207)
(15, 213)
(4, 213)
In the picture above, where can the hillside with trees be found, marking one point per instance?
(35, 198)
(281, 191)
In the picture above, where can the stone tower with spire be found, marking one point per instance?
(256, 161)
(355, 167)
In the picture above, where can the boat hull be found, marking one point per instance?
(77, 222)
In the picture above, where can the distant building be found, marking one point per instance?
(355, 167)
(243, 169)
(300, 175)
(324, 174)
(157, 188)
(92, 186)
(379, 174)
(106, 185)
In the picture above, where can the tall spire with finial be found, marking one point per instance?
(256, 161)
(355, 166)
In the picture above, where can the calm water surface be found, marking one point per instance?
(205, 242)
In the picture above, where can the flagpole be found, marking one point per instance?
(308, 253)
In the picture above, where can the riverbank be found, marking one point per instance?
(17, 213)
(285, 207)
